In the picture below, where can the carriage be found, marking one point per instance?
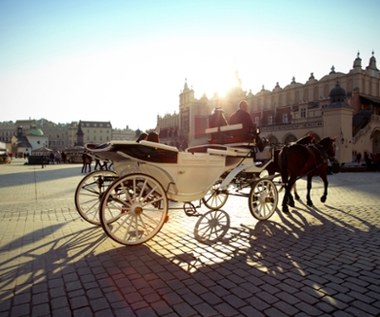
(132, 202)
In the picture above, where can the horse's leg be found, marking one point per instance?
(287, 193)
(296, 196)
(285, 199)
(291, 183)
(285, 208)
(308, 199)
(326, 184)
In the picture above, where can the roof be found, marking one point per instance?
(22, 141)
(369, 99)
(35, 132)
(95, 124)
(360, 120)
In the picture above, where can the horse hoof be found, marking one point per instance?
(291, 204)
(310, 204)
(285, 210)
(323, 199)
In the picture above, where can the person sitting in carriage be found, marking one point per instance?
(249, 129)
(215, 120)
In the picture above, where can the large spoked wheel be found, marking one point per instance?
(134, 209)
(89, 194)
(263, 199)
(215, 198)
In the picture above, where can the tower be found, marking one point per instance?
(337, 122)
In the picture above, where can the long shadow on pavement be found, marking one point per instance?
(322, 267)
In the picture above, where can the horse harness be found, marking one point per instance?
(316, 149)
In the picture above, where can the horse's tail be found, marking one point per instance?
(273, 166)
(283, 164)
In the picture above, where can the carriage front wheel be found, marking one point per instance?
(134, 209)
(263, 199)
(88, 194)
(215, 198)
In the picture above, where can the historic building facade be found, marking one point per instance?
(94, 132)
(346, 106)
(60, 137)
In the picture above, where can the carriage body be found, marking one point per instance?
(191, 177)
(186, 176)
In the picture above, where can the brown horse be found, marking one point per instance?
(274, 166)
(298, 160)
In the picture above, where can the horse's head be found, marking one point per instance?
(307, 139)
(328, 145)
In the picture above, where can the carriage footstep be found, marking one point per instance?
(190, 210)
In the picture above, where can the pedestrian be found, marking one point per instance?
(64, 158)
(43, 161)
(86, 163)
(368, 160)
(104, 166)
(97, 164)
(51, 158)
(358, 157)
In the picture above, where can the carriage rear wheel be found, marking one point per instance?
(89, 192)
(215, 198)
(134, 209)
(263, 199)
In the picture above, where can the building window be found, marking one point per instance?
(285, 118)
(303, 112)
(270, 119)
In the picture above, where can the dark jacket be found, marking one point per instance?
(241, 116)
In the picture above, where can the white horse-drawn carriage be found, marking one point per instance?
(132, 202)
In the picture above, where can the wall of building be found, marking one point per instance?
(287, 113)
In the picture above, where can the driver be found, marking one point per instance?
(242, 116)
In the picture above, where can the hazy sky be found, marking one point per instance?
(126, 61)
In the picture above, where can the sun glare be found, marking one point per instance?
(217, 76)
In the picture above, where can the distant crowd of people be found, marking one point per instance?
(371, 161)
(99, 165)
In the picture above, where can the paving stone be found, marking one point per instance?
(61, 312)
(320, 261)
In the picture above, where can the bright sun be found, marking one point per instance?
(215, 78)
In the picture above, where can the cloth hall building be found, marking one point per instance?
(341, 105)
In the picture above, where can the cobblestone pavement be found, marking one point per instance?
(321, 261)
